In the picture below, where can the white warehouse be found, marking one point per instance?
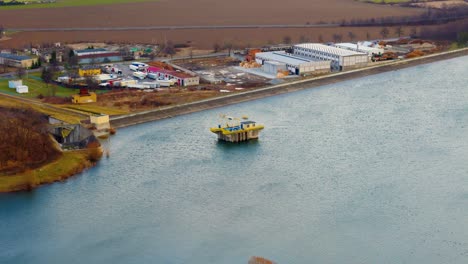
(294, 64)
(341, 59)
(360, 48)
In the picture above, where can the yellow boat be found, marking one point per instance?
(233, 130)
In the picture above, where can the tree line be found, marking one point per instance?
(429, 17)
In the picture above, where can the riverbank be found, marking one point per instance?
(67, 165)
(167, 112)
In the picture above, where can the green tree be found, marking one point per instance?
(53, 57)
(462, 39)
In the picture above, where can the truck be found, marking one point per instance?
(135, 66)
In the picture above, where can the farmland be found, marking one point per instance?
(190, 13)
(66, 3)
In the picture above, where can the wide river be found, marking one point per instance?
(372, 170)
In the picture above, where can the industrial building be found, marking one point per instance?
(371, 51)
(341, 59)
(17, 61)
(88, 56)
(280, 60)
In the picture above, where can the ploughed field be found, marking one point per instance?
(200, 12)
(188, 13)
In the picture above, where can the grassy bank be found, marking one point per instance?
(69, 164)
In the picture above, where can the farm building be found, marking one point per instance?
(182, 78)
(89, 70)
(17, 61)
(341, 59)
(88, 56)
(290, 62)
(361, 48)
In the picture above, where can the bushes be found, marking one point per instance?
(94, 151)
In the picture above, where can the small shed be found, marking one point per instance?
(12, 84)
(22, 89)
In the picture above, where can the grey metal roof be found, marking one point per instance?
(284, 57)
(90, 50)
(14, 57)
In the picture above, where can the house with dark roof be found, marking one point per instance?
(18, 61)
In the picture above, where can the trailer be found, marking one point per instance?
(139, 75)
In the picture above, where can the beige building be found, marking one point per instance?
(17, 61)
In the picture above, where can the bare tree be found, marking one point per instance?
(2, 31)
(228, 45)
(351, 36)
(216, 47)
(399, 31)
(414, 32)
(367, 36)
(384, 32)
(47, 76)
(169, 49)
(20, 72)
(303, 39)
(320, 39)
(337, 37)
(287, 40)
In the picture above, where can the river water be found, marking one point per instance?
(372, 170)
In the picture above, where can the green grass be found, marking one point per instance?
(37, 87)
(69, 163)
(68, 3)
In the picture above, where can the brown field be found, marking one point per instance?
(199, 38)
(190, 12)
(199, 12)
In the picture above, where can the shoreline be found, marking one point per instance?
(171, 111)
(76, 162)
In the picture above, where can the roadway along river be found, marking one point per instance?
(372, 170)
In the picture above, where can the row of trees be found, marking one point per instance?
(429, 17)
(24, 140)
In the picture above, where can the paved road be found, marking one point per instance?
(177, 27)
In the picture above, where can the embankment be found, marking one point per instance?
(167, 112)
(67, 165)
